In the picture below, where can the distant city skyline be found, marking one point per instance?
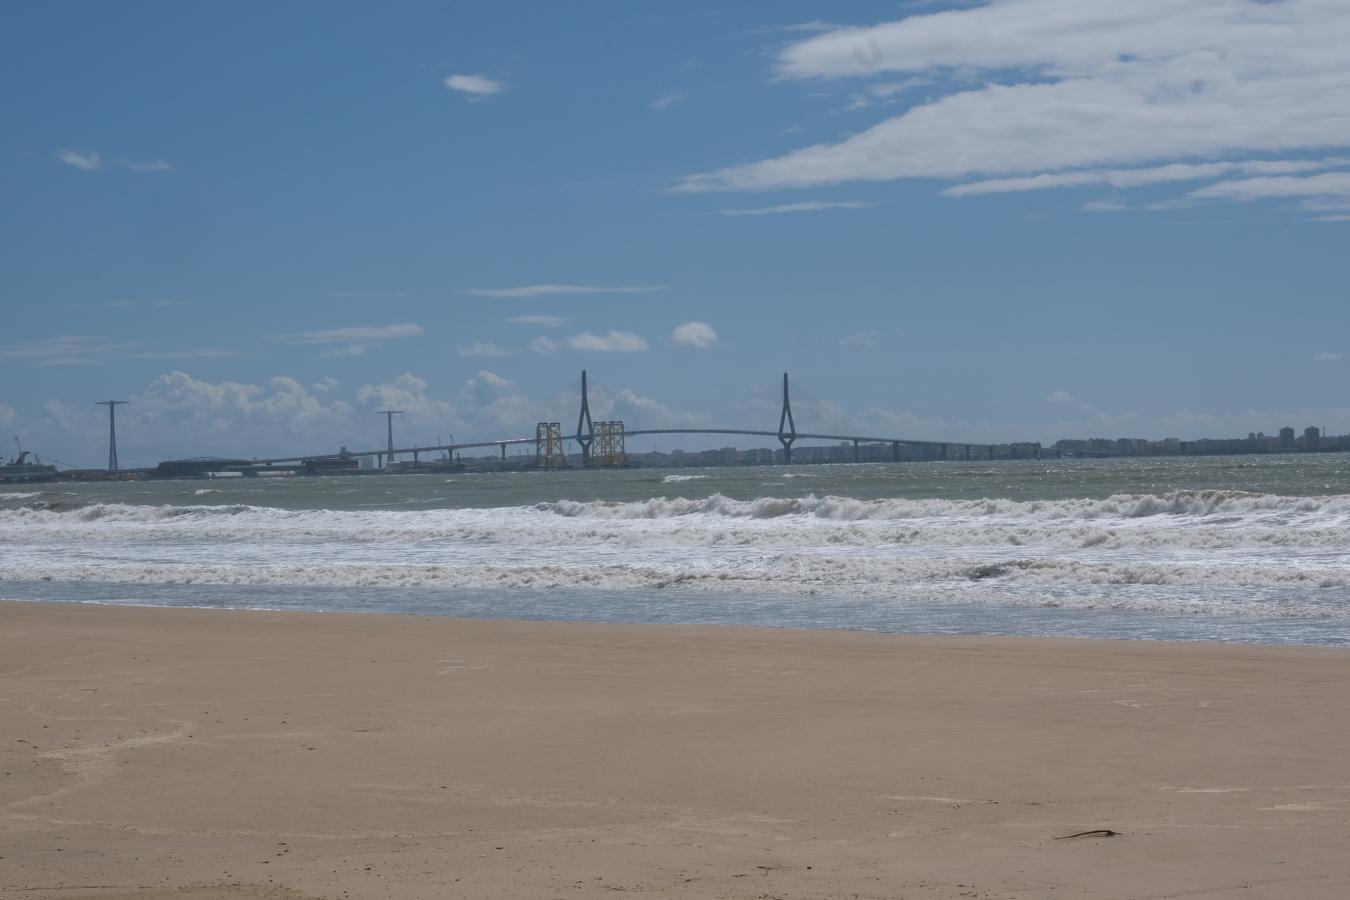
(261, 224)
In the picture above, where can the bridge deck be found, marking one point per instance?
(637, 432)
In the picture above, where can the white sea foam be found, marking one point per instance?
(677, 479)
(1190, 551)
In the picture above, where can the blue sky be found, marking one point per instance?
(1027, 219)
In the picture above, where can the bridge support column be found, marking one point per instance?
(895, 451)
(855, 450)
(379, 460)
(414, 456)
(503, 451)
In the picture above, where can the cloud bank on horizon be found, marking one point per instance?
(1031, 94)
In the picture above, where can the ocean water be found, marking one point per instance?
(1252, 549)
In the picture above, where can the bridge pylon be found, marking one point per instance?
(788, 435)
(585, 438)
(112, 429)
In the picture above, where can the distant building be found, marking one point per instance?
(1312, 438)
(1287, 438)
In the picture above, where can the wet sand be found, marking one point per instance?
(155, 753)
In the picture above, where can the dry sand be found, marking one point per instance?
(155, 753)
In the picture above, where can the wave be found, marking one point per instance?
(1205, 516)
(1168, 588)
(1183, 551)
(1189, 502)
(1197, 504)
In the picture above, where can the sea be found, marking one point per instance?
(1249, 549)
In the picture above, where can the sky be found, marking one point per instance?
(1015, 220)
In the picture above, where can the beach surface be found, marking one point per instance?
(155, 753)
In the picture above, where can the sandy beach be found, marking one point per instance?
(155, 753)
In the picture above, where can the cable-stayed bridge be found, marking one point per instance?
(549, 438)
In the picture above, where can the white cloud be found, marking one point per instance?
(667, 100)
(491, 407)
(69, 350)
(88, 350)
(92, 160)
(1049, 86)
(543, 346)
(612, 342)
(546, 321)
(699, 335)
(407, 392)
(1104, 206)
(1131, 178)
(805, 206)
(347, 351)
(1328, 357)
(355, 333)
(546, 290)
(476, 86)
(884, 93)
(814, 25)
(486, 387)
(89, 160)
(637, 410)
(881, 422)
(7, 415)
(481, 348)
(152, 165)
(156, 304)
(863, 340)
(1064, 398)
(179, 414)
(1327, 192)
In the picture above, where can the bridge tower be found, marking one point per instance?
(584, 438)
(112, 429)
(389, 423)
(548, 446)
(609, 444)
(786, 437)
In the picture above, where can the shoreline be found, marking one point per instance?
(214, 753)
(1097, 624)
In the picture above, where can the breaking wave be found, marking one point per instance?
(1184, 551)
(1128, 506)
